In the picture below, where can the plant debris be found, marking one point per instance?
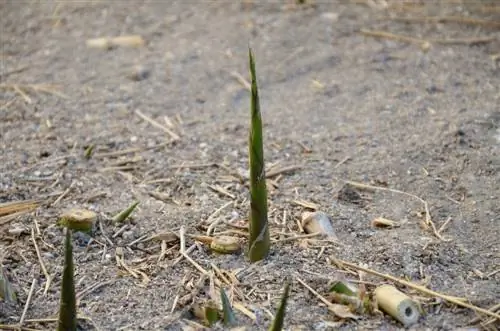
(78, 220)
(397, 304)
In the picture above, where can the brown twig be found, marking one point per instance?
(119, 168)
(42, 265)
(7, 208)
(63, 194)
(240, 79)
(49, 89)
(493, 308)
(289, 57)
(221, 190)
(182, 236)
(80, 295)
(316, 294)
(464, 41)
(344, 160)
(428, 220)
(16, 328)
(194, 263)
(444, 225)
(210, 218)
(28, 301)
(55, 319)
(13, 71)
(284, 170)
(446, 19)
(306, 204)
(103, 233)
(244, 310)
(212, 226)
(158, 125)
(192, 166)
(8, 218)
(299, 237)
(424, 44)
(8, 104)
(179, 259)
(129, 151)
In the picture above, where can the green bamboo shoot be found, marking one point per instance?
(67, 308)
(279, 318)
(258, 225)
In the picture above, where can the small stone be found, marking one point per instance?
(234, 215)
(330, 16)
(318, 222)
(107, 258)
(48, 255)
(81, 238)
(128, 235)
(139, 73)
(16, 229)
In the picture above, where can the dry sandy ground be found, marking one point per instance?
(337, 103)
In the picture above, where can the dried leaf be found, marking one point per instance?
(342, 311)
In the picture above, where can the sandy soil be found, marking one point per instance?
(342, 105)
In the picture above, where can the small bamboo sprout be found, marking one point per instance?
(227, 312)
(207, 311)
(6, 291)
(124, 214)
(345, 293)
(397, 304)
(88, 152)
(280, 314)
(67, 308)
(259, 242)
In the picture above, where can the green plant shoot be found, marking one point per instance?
(67, 308)
(279, 318)
(258, 225)
(228, 313)
(124, 214)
